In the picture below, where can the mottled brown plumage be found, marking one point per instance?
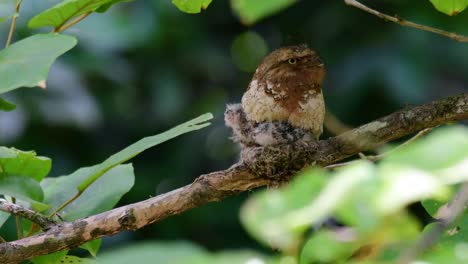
(287, 87)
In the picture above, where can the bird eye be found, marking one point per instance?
(292, 61)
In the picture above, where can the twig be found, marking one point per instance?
(29, 214)
(73, 22)
(13, 23)
(454, 209)
(407, 23)
(409, 141)
(335, 125)
(239, 178)
(19, 230)
(375, 158)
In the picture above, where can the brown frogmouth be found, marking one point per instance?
(283, 102)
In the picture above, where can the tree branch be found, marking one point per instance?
(407, 23)
(29, 214)
(258, 167)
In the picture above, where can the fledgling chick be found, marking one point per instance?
(283, 103)
(250, 133)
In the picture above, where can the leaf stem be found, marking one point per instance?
(403, 22)
(13, 23)
(65, 204)
(73, 22)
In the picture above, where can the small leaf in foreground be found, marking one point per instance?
(59, 14)
(404, 185)
(327, 246)
(179, 253)
(6, 106)
(92, 246)
(450, 7)
(3, 218)
(26, 63)
(163, 252)
(52, 258)
(24, 163)
(251, 11)
(262, 215)
(431, 206)
(191, 6)
(75, 260)
(442, 148)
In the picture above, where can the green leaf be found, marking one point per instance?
(262, 214)
(251, 11)
(32, 57)
(450, 7)
(141, 145)
(103, 195)
(340, 188)
(105, 7)
(191, 6)
(232, 257)
(3, 218)
(400, 227)
(92, 246)
(439, 150)
(24, 163)
(53, 258)
(432, 206)
(327, 246)
(59, 14)
(74, 260)
(178, 253)
(402, 185)
(163, 252)
(6, 106)
(21, 187)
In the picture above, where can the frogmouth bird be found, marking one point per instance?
(283, 102)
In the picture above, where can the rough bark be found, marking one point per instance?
(258, 167)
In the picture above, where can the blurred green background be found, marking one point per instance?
(144, 67)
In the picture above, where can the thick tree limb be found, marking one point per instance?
(259, 167)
